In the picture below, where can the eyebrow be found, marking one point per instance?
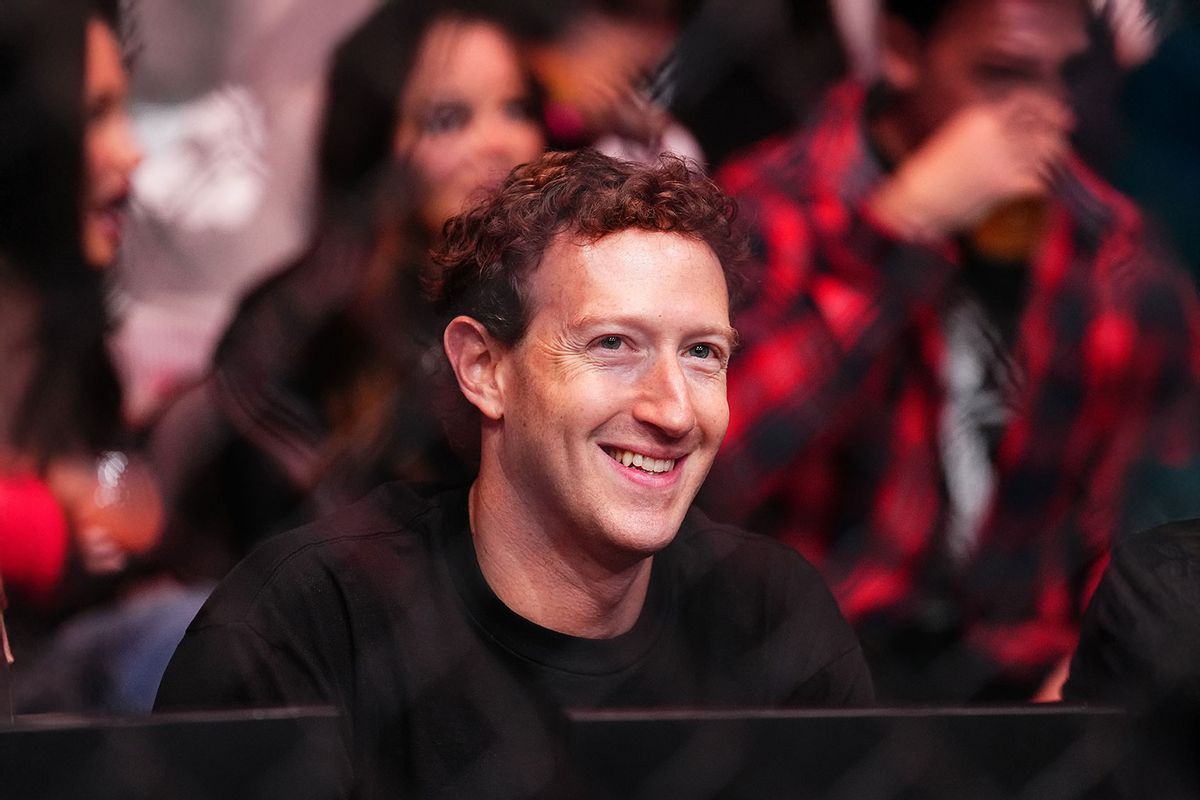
(440, 100)
(591, 320)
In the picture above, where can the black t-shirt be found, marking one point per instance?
(382, 611)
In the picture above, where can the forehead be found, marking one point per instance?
(104, 69)
(631, 272)
(459, 57)
(1035, 27)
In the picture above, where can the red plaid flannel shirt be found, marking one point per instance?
(835, 396)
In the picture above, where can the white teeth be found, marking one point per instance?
(642, 462)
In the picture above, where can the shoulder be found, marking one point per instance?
(1097, 205)
(1109, 227)
(381, 541)
(748, 171)
(1139, 293)
(1150, 593)
(761, 599)
(731, 559)
(1167, 550)
(288, 624)
(1140, 637)
(287, 304)
(1152, 576)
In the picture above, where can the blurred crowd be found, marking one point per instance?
(214, 235)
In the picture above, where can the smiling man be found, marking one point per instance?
(589, 334)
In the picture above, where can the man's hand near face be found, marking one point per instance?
(983, 156)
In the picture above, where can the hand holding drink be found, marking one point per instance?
(113, 506)
(996, 158)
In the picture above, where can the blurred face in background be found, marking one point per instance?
(466, 117)
(110, 151)
(982, 51)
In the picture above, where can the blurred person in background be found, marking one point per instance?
(699, 78)
(78, 508)
(321, 387)
(68, 156)
(226, 99)
(958, 342)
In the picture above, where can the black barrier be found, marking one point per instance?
(1025, 752)
(292, 753)
(1065, 753)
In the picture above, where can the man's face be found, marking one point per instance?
(110, 151)
(614, 399)
(984, 50)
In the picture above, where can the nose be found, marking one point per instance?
(504, 141)
(664, 398)
(127, 153)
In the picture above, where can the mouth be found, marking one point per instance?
(112, 210)
(640, 461)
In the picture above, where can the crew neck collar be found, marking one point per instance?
(527, 639)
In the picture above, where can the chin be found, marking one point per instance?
(642, 538)
(98, 253)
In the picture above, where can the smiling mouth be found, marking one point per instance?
(639, 461)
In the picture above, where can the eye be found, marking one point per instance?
(446, 117)
(521, 109)
(100, 108)
(1005, 74)
(609, 342)
(701, 351)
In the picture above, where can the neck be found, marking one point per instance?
(548, 577)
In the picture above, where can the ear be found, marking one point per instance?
(900, 55)
(474, 356)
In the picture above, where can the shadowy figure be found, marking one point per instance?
(322, 387)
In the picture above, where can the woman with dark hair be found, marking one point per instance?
(77, 509)
(66, 156)
(321, 386)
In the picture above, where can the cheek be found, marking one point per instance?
(445, 171)
(527, 144)
(575, 403)
(437, 160)
(94, 156)
(712, 407)
(936, 105)
(944, 88)
(441, 197)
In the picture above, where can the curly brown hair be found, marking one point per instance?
(488, 252)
